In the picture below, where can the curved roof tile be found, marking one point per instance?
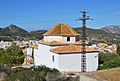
(61, 29)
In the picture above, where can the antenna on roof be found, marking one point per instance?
(84, 18)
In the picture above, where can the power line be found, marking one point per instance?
(84, 18)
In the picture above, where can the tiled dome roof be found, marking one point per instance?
(61, 29)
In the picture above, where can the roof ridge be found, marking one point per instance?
(71, 29)
(51, 29)
(61, 28)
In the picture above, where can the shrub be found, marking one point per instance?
(111, 63)
(32, 74)
(108, 60)
(12, 55)
(4, 69)
(103, 57)
(4, 72)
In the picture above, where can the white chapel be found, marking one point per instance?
(61, 49)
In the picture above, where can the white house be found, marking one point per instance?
(4, 44)
(61, 49)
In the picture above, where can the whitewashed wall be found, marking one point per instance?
(92, 61)
(56, 59)
(43, 56)
(29, 51)
(72, 39)
(58, 38)
(53, 38)
(70, 62)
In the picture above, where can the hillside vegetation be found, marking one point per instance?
(40, 73)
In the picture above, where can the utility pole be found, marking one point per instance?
(84, 18)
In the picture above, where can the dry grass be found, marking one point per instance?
(108, 75)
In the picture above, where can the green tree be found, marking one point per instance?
(108, 60)
(103, 57)
(118, 49)
(111, 63)
(2, 51)
(12, 55)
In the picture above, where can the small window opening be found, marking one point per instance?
(68, 38)
(53, 58)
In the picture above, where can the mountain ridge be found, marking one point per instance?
(112, 29)
(13, 32)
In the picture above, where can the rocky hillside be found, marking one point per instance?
(90, 31)
(12, 29)
(13, 32)
(112, 29)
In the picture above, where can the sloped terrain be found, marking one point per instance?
(108, 75)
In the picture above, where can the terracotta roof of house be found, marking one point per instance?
(72, 49)
(62, 30)
(59, 43)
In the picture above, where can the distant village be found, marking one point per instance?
(102, 47)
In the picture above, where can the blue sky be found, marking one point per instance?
(43, 14)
